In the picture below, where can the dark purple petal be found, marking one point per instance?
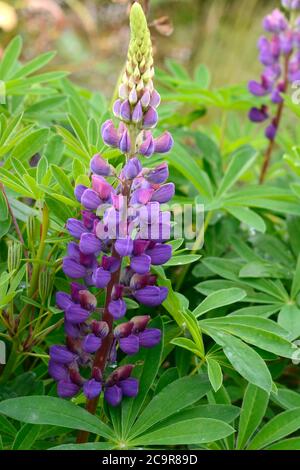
(124, 143)
(124, 246)
(66, 389)
(110, 134)
(140, 264)
(160, 254)
(79, 190)
(88, 219)
(110, 263)
(151, 296)
(61, 354)
(271, 131)
(130, 387)
(92, 389)
(63, 300)
(76, 314)
(113, 395)
(90, 199)
(57, 370)
(164, 193)
(132, 168)
(101, 278)
(73, 269)
(258, 115)
(149, 337)
(75, 228)
(117, 308)
(89, 244)
(72, 330)
(257, 89)
(129, 345)
(91, 343)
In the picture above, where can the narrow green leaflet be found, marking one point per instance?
(254, 406)
(219, 299)
(248, 216)
(214, 373)
(26, 437)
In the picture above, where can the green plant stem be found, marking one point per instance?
(195, 248)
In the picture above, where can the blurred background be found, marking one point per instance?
(91, 36)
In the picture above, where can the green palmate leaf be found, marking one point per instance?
(219, 299)
(287, 399)
(150, 358)
(214, 373)
(249, 217)
(31, 144)
(226, 413)
(287, 444)
(53, 411)
(34, 65)
(188, 344)
(185, 391)
(62, 180)
(278, 427)
(10, 57)
(3, 207)
(289, 319)
(180, 260)
(192, 431)
(26, 437)
(240, 162)
(244, 359)
(253, 410)
(202, 76)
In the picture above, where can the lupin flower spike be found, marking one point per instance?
(280, 55)
(122, 232)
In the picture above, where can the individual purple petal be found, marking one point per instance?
(73, 269)
(155, 99)
(132, 168)
(160, 254)
(145, 99)
(71, 329)
(151, 296)
(137, 114)
(271, 131)
(117, 108)
(164, 193)
(129, 345)
(164, 143)
(63, 300)
(90, 199)
(110, 134)
(125, 112)
(130, 387)
(124, 143)
(140, 264)
(150, 118)
(57, 370)
(88, 219)
(275, 22)
(101, 187)
(76, 314)
(79, 190)
(276, 96)
(124, 246)
(100, 166)
(150, 337)
(132, 97)
(141, 196)
(87, 300)
(101, 278)
(66, 389)
(257, 89)
(89, 244)
(75, 227)
(92, 389)
(258, 114)
(147, 147)
(91, 343)
(117, 308)
(61, 354)
(110, 263)
(158, 174)
(113, 395)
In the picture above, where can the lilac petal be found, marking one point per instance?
(137, 114)
(88, 219)
(164, 193)
(89, 244)
(101, 187)
(158, 175)
(100, 166)
(66, 389)
(150, 118)
(79, 190)
(117, 108)
(160, 254)
(155, 99)
(57, 370)
(90, 199)
(129, 345)
(113, 395)
(73, 269)
(76, 314)
(75, 228)
(91, 343)
(151, 296)
(150, 337)
(257, 89)
(147, 147)
(130, 387)
(164, 143)
(276, 97)
(63, 300)
(140, 264)
(132, 168)
(101, 278)
(141, 196)
(61, 354)
(124, 246)
(133, 96)
(117, 308)
(145, 99)
(110, 134)
(125, 112)
(124, 143)
(92, 389)
(73, 251)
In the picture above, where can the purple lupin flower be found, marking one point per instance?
(120, 234)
